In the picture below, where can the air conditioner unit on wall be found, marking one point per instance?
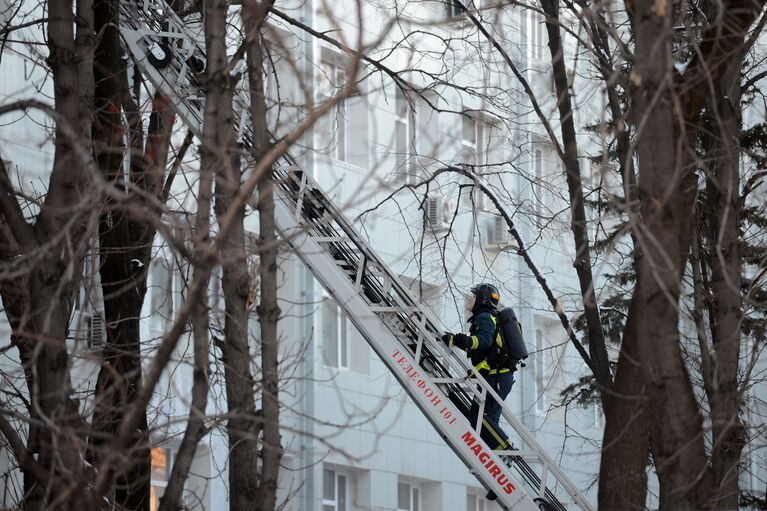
(497, 232)
(88, 327)
(97, 333)
(434, 214)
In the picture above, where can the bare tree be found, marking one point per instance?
(48, 250)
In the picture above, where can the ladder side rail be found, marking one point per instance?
(527, 437)
(516, 424)
(403, 297)
(448, 421)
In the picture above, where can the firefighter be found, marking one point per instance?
(481, 344)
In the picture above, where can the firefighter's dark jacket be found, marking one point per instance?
(481, 342)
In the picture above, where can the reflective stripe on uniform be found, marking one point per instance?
(498, 338)
(484, 366)
(503, 444)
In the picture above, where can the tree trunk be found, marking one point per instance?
(39, 315)
(254, 14)
(623, 477)
(667, 191)
(670, 117)
(578, 225)
(242, 426)
(722, 210)
(195, 429)
(625, 445)
(123, 283)
(626, 439)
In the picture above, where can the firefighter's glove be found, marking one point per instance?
(463, 341)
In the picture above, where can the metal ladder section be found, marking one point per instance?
(403, 332)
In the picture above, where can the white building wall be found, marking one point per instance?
(358, 422)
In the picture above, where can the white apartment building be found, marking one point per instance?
(353, 440)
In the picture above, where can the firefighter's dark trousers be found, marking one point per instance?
(492, 433)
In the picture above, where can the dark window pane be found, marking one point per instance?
(329, 485)
(400, 103)
(403, 496)
(469, 130)
(341, 493)
(344, 348)
(330, 332)
(341, 150)
(400, 144)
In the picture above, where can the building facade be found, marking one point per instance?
(353, 440)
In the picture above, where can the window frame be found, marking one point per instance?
(481, 131)
(342, 337)
(453, 9)
(435, 220)
(536, 39)
(168, 305)
(334, 75)
(336, 501)
(406, 164)
(497, 232)
(414, 496)
(480, 503)
(456, 12)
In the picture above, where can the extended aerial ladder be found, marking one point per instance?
(403, 332)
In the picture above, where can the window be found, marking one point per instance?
(161, 297)
(335, 326)
(497, 232)
(334, 128)
(271, 90)
(160, 471)
(408, 497)
(475, 135)
(454, 8)
(537, 41)
(88, 283)
(405, 137)
(597, 409)
(475, 503)
(540, 378)
(335, 491)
